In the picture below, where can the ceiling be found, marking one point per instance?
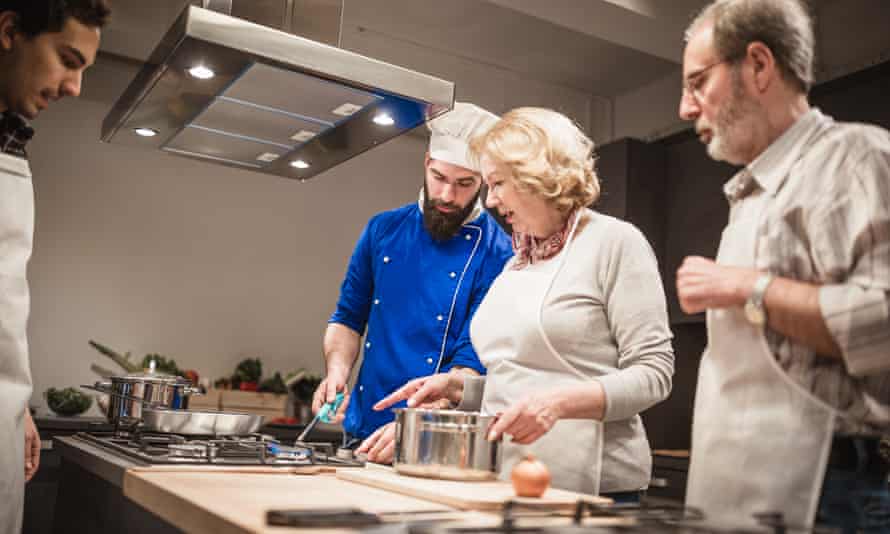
(600, 47)
(603, 48)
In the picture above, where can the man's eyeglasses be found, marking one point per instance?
(692, 84)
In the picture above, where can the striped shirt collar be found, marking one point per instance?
(771, 167)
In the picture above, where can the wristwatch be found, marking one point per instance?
(755, 311)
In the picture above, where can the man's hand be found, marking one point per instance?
(327, 391)
(528, 419)
(380, 446)
(440, 390)
(703, 284)
(32, 447)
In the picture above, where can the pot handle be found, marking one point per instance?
(451, 428)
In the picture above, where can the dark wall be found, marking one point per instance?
(673, 192)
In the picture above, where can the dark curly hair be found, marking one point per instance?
(39, 16)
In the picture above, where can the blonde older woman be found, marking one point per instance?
(574, 331)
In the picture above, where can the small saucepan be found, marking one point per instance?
(447, 444)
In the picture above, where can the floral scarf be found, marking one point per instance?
(528, 249)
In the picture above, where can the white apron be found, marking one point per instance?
(760, 442)
(16, 231)
(508, 335)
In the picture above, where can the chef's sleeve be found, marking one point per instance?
(354, 304)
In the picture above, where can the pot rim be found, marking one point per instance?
(156, 378)
(443, 413)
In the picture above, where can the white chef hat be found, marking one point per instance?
(451, 133)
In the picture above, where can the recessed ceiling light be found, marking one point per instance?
(299, 164)
(345, 110)
(145, 132)
(201, 72)
(384, 119)
(302, 136)
(267, 157)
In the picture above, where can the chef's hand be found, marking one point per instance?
(333, 383)
(703, 284)
(528, 419)
(380, 445)
(32, 447)
(440, 390)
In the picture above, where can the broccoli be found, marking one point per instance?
(68, 401)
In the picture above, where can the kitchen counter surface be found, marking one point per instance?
(234, 502)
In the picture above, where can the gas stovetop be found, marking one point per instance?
(249, 450)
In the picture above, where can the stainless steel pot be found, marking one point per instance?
(133, 392)
(445, 444)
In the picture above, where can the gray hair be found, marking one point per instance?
(785, 26)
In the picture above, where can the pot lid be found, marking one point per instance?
(151, 374)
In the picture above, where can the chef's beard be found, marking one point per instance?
(444, 226)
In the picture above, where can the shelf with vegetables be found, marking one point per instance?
(281, 399)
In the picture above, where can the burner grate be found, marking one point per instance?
(253, 449)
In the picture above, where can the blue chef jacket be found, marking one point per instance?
(416, 296)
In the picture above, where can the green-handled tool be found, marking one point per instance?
(324, 415)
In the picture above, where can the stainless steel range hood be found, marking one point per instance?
(229, 91)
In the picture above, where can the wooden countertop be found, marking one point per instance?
(236, 503)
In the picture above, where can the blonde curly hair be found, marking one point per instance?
(547, 154)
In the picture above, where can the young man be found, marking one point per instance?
(45, 46)
(794, 386)
(414, 281)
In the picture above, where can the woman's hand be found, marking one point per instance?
(380, 446)
(435, 391)
(528, 419)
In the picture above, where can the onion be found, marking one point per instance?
(530, 477)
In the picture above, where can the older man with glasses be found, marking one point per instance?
(794, 387)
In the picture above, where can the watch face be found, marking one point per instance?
(754, 314)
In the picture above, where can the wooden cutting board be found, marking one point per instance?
(481, 496)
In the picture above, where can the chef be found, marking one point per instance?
(45, 46)
(794, 386)
(414, 281)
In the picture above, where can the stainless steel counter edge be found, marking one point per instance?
(103, 464)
